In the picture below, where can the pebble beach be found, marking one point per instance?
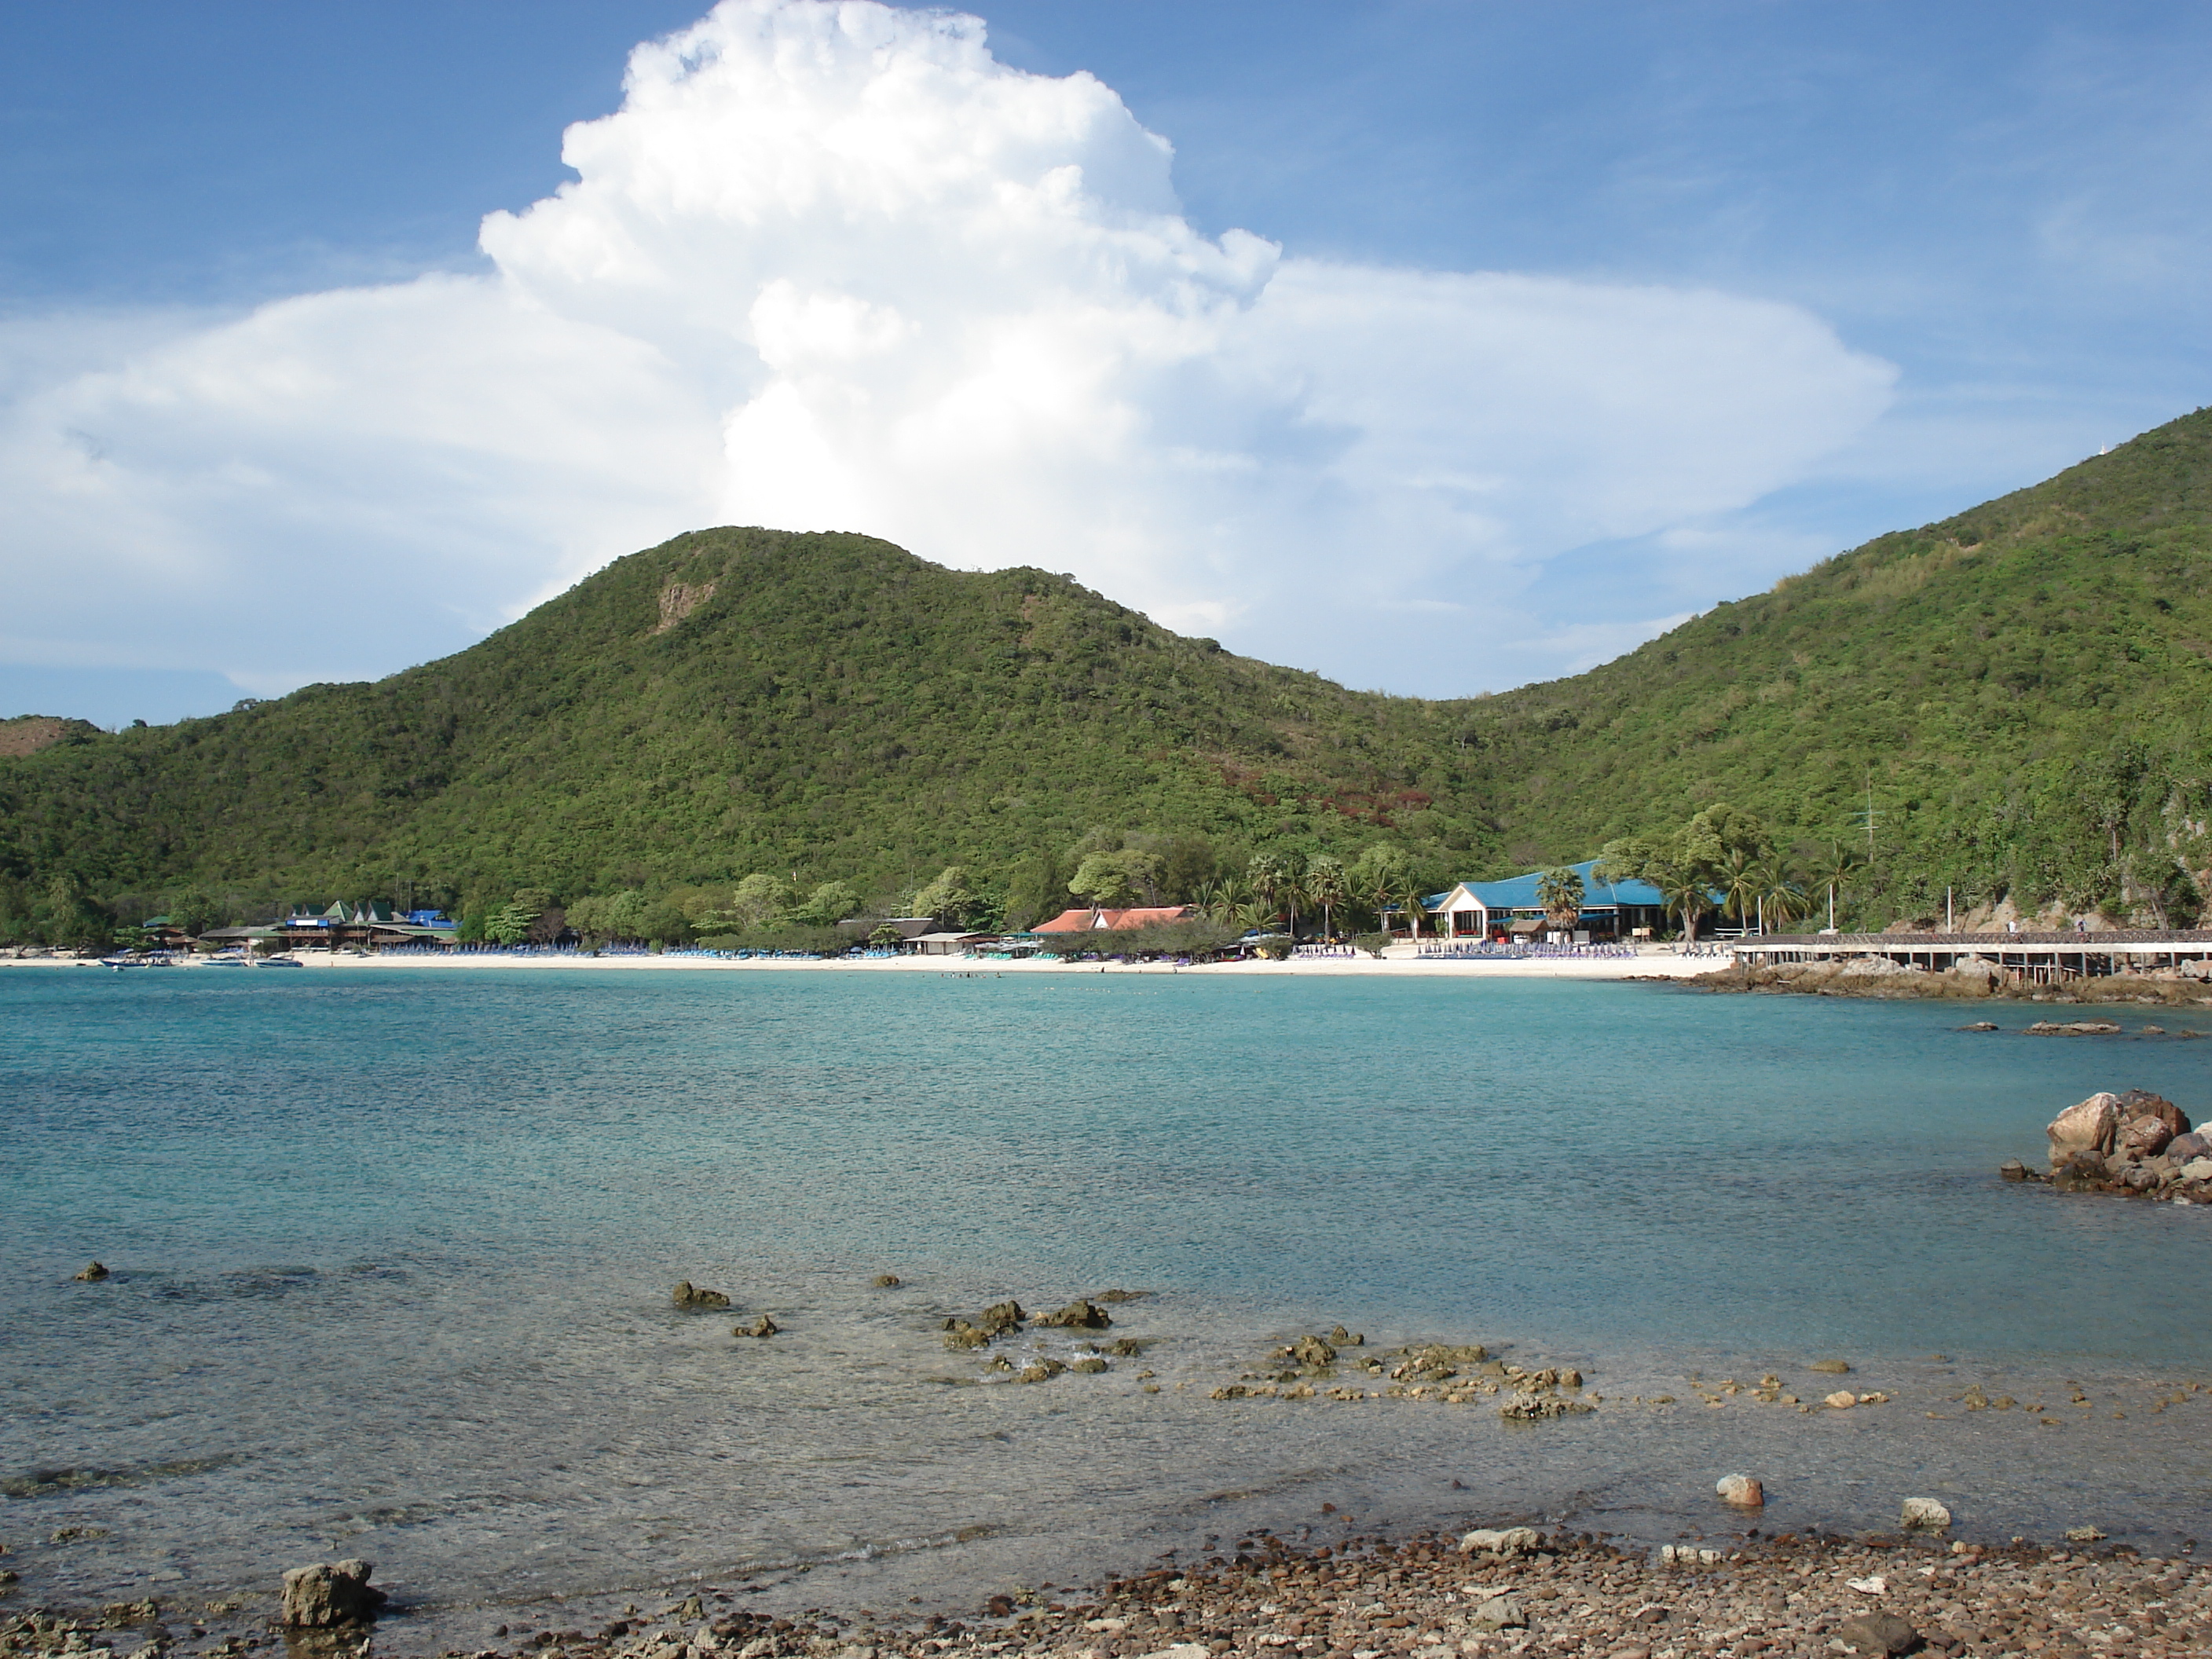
(1504, 1591)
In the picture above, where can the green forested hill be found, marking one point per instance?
(2025, 690)
(2020, 691)
(741, 701)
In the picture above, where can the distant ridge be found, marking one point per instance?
(2021, 691)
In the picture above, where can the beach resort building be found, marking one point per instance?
(1509, 909)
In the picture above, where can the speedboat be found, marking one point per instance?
(280, 962)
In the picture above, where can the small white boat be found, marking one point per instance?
(280, 962)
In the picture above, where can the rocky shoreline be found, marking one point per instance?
(1507, 1591)
(1970, 982)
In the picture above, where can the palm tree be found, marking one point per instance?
(1561, 892)
(1781, 896)
(1833, 869)
(1325, 886)
(1687, 893)
(1229, 892)
(1409, 896)
(1265, 875)
(1375, 892)
(1292, 893)
(1739, 885)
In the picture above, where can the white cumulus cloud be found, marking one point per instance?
(833, 266)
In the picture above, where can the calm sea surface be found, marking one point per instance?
(392, 1252)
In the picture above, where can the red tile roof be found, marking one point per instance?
(1084, 921)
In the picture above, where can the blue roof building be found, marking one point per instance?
(1488, 909)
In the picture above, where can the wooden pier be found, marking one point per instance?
(2036, 959)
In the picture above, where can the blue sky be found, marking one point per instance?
(1885, 260)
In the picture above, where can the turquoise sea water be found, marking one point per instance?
(392, 1250)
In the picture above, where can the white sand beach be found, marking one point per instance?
(1657, 963)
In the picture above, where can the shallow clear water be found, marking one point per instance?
(393, 1247)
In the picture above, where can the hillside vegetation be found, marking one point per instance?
(824, 706)
(2019, 692)
(2022, 689)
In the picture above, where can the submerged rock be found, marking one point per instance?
(1536, 1407)
(1741, 1491)
(1923, 1514)
(1076, 1317)
(1830, 1367)
(1119, 1296)
(885, 1281)
(92, 1274)
(959, 1333)
(688, 1295)
(329, 1593)
(763, 1327)
(1002, 1316)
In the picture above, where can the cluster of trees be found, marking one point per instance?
(1104, 870)
(57, 912)
(1726, 859)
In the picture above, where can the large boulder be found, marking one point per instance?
(2090, 1126)
(2141, 1102)
(2145, 1136)
(329, 1593)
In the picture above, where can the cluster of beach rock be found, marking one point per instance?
(1008, 1319)
(1306, 1368)
(2136, 1144)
